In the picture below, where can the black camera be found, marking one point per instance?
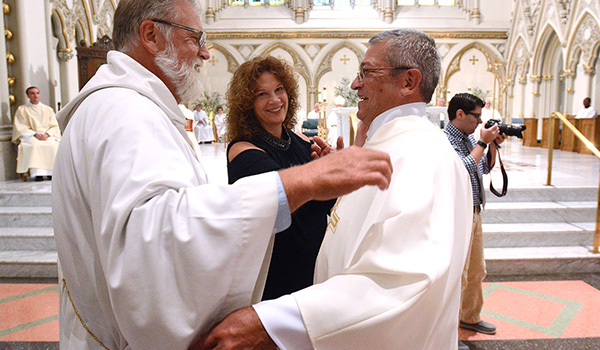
(508, 129)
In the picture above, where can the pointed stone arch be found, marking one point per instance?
(518, 60)
(494, 62)
(585, 42)
(300, 65)
(232, 62)
(325, 63)
(59, 30)
(549, 40)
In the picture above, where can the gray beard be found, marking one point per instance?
(184, 76)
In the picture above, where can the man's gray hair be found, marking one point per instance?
(415, 49)
(130, 14)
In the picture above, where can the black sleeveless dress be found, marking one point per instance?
(296, 248)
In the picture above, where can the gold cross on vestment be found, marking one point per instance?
(344, 59)
(334, 219)
(473, 59)
(213, 60)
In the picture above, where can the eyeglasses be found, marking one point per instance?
(201, 40)
(477, 116)
(361, 72)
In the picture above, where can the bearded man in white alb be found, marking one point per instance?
(150, 253)
(389, 270)
(36, 132)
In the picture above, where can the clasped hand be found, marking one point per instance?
(241, 329)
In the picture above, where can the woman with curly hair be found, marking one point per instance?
(263, 98)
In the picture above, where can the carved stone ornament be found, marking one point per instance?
(586, 37)
(10, 58)
(65, 55)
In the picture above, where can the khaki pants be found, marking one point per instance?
(473, 275)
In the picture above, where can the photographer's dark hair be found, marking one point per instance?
(465, 101)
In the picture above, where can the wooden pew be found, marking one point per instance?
(545, 133)
(568, 141)
(530, 133)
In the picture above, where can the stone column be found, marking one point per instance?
(7, 148)
(210, 11)
(523, 83)
(475, 13)
(536, 108)
(388, 11)
(589, 75)
(508, 103)
(569, 86)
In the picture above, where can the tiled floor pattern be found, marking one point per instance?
(520, 310)
(31, 312)
(540, 310)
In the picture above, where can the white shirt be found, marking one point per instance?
(153, 255)
(388, 274)
(589, 112)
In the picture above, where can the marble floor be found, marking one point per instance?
(526, 167)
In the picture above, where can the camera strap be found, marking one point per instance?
(504, 176)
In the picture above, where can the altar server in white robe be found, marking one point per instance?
(150, 253)
(388, 272)
(36, 132)
(587, 111)
(202, 128)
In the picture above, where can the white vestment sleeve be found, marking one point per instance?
(284, 217)
(25, 137)
(283, 322)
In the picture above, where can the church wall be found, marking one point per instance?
(325, 45)
(560, 41)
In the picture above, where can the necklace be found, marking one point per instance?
(280, 144)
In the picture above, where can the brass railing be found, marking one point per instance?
(592, 148)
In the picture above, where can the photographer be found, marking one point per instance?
(464, 112)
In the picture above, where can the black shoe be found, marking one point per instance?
(49, 177)
(481, 327)
(39, 178)
(462, 346)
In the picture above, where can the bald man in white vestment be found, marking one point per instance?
(36, 132)
(388, 272)
(150, 253)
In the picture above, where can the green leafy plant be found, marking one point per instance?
(477, 91)
(209, 103)
(350, 96)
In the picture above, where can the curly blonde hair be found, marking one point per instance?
(241, 120)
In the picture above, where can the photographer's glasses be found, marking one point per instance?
(477, 116)
(201, 34)
(362, 71)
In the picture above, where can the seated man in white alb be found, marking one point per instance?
(487, 113)
(587, 111)
(36, 132)
(202, 128)
(220, 124)
(334, 122)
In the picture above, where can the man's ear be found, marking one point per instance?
(411, 79)
(460, 114)
(151, 39)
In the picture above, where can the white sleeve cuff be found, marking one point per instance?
(24, 137)
(283, 322)
(284, 217)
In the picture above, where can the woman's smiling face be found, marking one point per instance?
(270, 103)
